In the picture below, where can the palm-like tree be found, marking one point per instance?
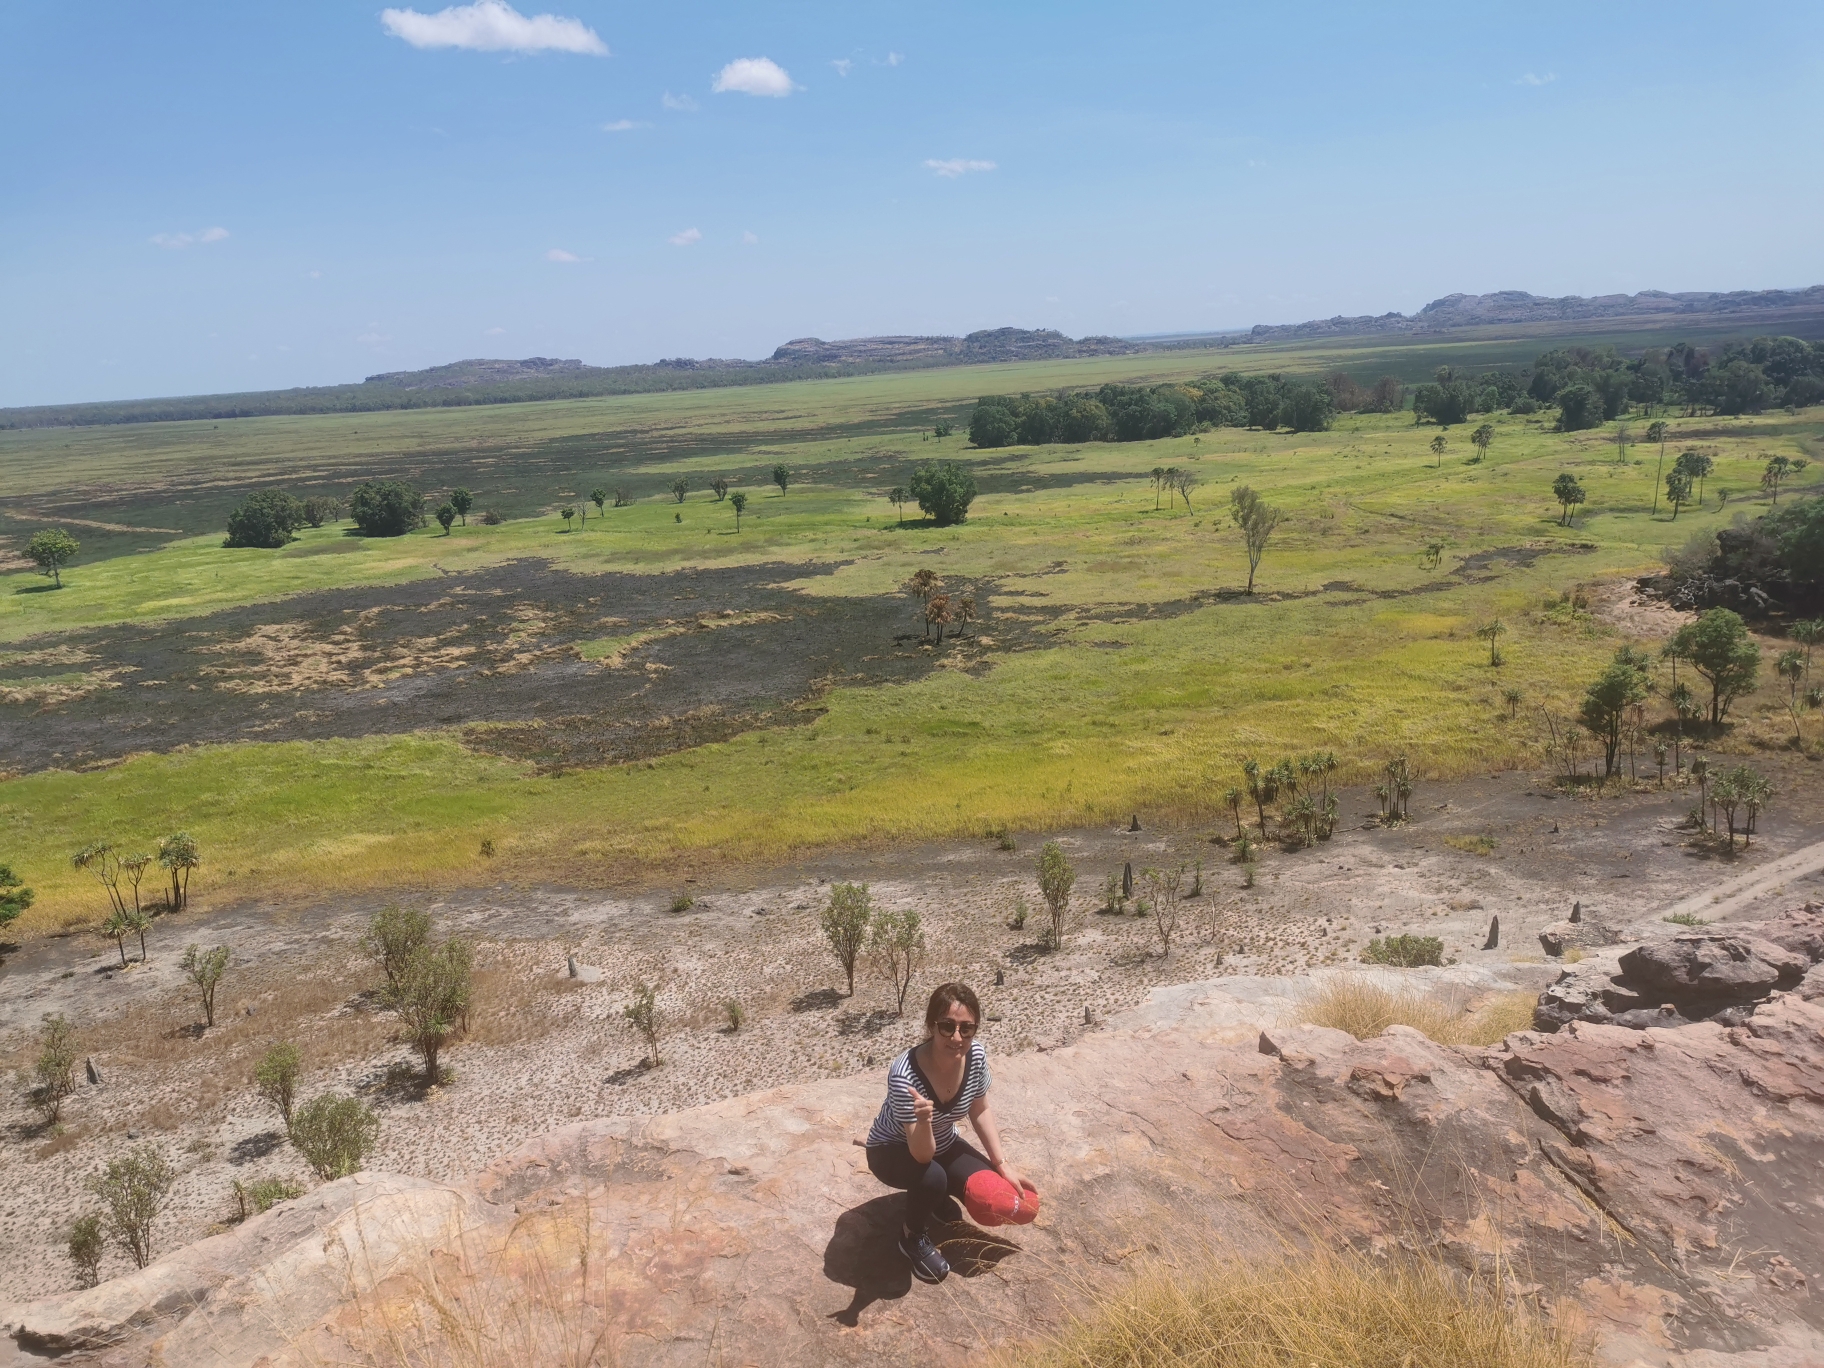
(1438, 444)
(1656, 432)
(1482, 436)
(1491, 632)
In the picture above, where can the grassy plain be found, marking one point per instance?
(1157, 679)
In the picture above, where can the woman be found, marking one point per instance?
(913, 1144)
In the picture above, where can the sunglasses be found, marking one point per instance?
(965, 1029)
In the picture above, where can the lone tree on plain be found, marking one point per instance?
(781, 477)
(1481, 438)
(1491, 633)
(1698, 466)
(1569, 494)
(1656, 433)
(599, 497)
(462, 501)
(446, 517)
(1678, 490)
(738, 501)
(897, 497)
(54, 1071)
(178, 854)
(1439, 445)
(1056, 879)
(335, 1134)
(277, 1075)
(845, 920)
(1256, 518)
(265, 519)
(1164, 887)
(134, 1189)
(51, 550)
(1621, 686)
(719, 487)
(1184, 481)
(567, 512)
(1720, 649)
(204, 969)
(897, 944)
(1779, 470)
(1791, 668)
(943, 490)
(679, 488)
(431, 998)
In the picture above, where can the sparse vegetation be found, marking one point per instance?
(845, 920)
(134, 1190)
(54, 1071)
(1056, 879)
(897, 943)
(51, 550)
(642, 1013)
(393, 937)
(335, 1134)
(86, 1247)
(1405, 952)
(277, 1076)
(430, 996)
(204, 969)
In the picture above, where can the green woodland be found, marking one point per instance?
(1113, 540)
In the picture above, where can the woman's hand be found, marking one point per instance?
(1014, 1176)
(922, 1107)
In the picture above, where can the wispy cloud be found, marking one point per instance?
(895, 58)
(492, 26)
(685, 238)
(373, 337)
(1531, 79)
(753, 76)
(750, 239)
(625, 125)
(952, 167)
(176, 242)
(682, 103)
(843, 66)
(494, 332)
(563, 258)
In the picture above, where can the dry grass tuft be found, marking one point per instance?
(1500, 1017)
(1319, 1310)
(1362, 1007)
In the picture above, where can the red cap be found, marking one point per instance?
(993, 1201)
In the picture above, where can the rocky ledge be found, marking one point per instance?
(1658, 1184)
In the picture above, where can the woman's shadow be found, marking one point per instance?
(863, 1254)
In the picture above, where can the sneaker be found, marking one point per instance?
(947, 1211)
(928, 1265)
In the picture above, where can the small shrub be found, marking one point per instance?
(1473, 845)
(490, 519)
(737, 1018)
(1248, 870)
(393, 937)
(487, 848)
(1573, 954)
(54, 1071)
(845, 921)
(643, 1014)
(86, 1246)
(1686, 919)
(1404, 952)
(335, 1134)
(683, 903)
(898, 947)
(431, 998)
(277, 1077)
(1056, 879)
(204, 969)
(262, 1195)
(1004, 840)
(134, 1190)
(1017, 922)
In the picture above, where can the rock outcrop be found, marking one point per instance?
(1664, 1181)
(1716, 972)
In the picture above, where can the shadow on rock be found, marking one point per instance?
(863, 1254)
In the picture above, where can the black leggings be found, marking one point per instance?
(925, 1184)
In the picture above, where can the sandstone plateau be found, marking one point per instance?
(1659, 1185)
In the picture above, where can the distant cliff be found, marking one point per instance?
(1517, 306)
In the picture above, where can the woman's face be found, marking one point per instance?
(953, 1032)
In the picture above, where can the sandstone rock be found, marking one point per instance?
(750, 1231)
(1800, 931)
(1555, 938)
(1640, 1018)
(1811, 987)
(1713, 967)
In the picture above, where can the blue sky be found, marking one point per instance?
(206, 196)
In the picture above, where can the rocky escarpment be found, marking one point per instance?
(1660, 1181)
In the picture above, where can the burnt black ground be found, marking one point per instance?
(491, 651)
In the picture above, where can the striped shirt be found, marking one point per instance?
(896, 1114)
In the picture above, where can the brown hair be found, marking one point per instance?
(947, 995)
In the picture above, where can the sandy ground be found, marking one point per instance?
(546, 1049)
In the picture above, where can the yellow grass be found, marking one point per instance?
(1364, 1008)
(1319, 1310)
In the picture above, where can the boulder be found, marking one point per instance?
(1587, 991)
(1583, 932)
(1801, 931)
(1712, 968)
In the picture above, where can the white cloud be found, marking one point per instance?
(373, 337)
(685, 238)
(624, 125)
(895, 58)
(1532, 80)
(749, 240)
(176, 242)
(494, 332)
(753, 76)
(492, 26)
(558, 254)
(315, 275)
(682, 103)
(952, 167)
(843, 66)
